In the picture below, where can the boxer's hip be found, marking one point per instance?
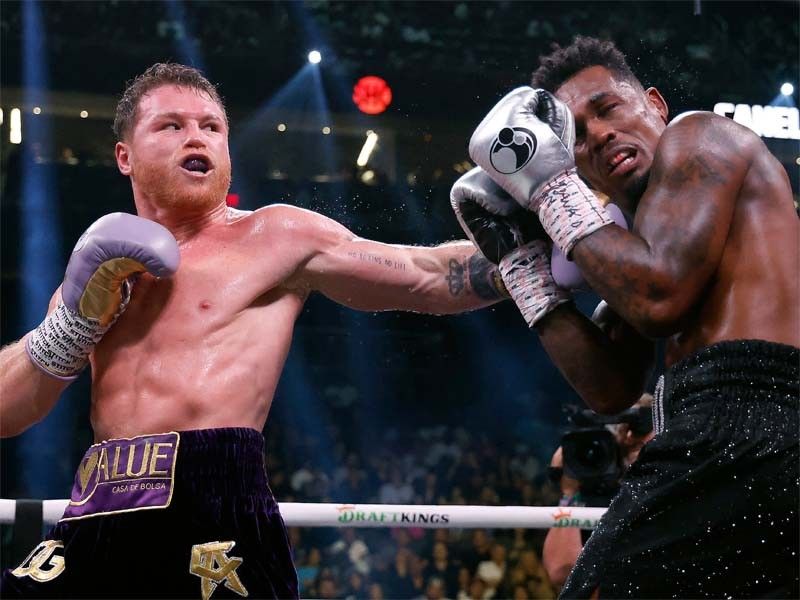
(732, 390)
(152, 471)
(720, 473)
(165, 515)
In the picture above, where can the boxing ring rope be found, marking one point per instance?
(310, 514)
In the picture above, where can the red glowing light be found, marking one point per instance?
(232, 199)
(372, 95)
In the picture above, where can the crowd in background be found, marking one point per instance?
(436, 465)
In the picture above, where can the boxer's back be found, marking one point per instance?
(755, 292)
(204, 348)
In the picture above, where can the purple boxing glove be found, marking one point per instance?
(96, 289)
(565, 272)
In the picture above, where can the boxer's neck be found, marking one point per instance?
(186, 226)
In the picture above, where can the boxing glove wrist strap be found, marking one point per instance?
(61, 345)
(526, 274)
(499, 284)
(568, 210)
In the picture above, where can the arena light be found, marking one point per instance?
(40, 230)
(182, 35)
(84, 114)
(366, 150)
(326, 130)
(787, 89)
(314, 57)
(15, 126)
(37, 110)
(1, 116)
(372, 95)
(281, 127)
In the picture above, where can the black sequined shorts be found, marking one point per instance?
(710, 508)
(176, 515)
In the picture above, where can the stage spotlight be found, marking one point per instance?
(15, 131)
(787, 89)
(368, 176)
(366, 150)
(314, 57)
(326, 130)
(281, 127)
(84, 114)
(37, 110)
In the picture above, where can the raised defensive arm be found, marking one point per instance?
(95, 291)
(654, 275)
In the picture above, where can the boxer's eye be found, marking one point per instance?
(607, 109)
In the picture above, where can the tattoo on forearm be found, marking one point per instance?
(456, 281)
(376, 259)
(482, 276)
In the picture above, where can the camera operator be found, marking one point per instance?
(588, 466)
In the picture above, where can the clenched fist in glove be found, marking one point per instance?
(510, 237)
(525, 144)
(96, 289)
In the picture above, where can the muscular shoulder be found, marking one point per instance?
(304, 232)
(300, 226)
(702, 132)
(281, 216)
(703, 149)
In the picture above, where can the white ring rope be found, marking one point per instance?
(310, 514)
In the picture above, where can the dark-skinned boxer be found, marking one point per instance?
(711, 265)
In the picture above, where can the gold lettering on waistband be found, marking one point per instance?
(212, 565)
(131, 455)
(115, 474)
(43, 556)
(86, 469)
(153, 471)
(102, 464)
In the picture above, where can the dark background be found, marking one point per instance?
(447, 62)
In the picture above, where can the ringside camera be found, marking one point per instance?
(591, 452)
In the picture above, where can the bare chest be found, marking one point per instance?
(213, 288)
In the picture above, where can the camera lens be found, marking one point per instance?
(590, 454)
(594, 454)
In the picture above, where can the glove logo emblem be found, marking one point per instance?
(512, 149)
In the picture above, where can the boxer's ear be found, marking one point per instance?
(657, 102)
(122, 154)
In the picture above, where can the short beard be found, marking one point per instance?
(165, 192)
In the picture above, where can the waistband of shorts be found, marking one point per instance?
(737, 371)
(225, 460)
